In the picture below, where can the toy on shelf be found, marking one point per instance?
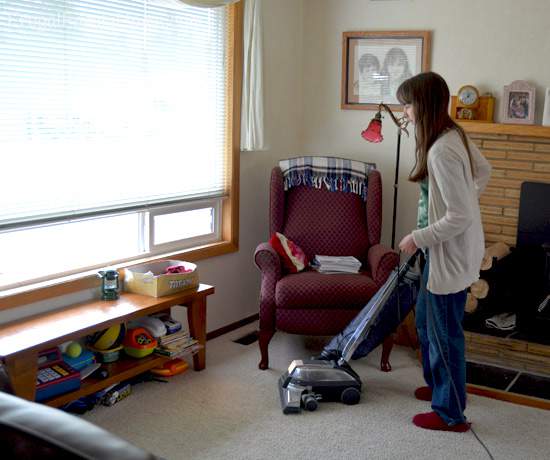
(107, 343)
(139, 343)
(107, 356)
(108, 338)
(170, 368)
(73, 350)
(171, 324)
(154, 325)
(54, 376)
(82, 360)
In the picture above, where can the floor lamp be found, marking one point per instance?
(373, 133)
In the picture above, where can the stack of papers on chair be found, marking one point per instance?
(336, 264)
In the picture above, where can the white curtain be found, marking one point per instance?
(252, 118)
(252, 111)
(209, 3)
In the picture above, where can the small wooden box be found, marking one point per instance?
(483, 112)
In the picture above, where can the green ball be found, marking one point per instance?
(74, 350)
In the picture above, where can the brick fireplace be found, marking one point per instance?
(517, 153)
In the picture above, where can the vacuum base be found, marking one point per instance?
(309, 381)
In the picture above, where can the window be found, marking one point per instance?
(116, 132)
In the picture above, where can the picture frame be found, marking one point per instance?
(374, 64)
(518, 103)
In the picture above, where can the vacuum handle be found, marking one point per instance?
(412, 259)
(375, 305)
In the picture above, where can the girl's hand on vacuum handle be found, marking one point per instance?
(407, 245)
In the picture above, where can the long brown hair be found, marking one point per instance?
(429, 95)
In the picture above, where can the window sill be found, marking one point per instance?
(88, 280)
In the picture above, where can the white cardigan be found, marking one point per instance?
(454, 235)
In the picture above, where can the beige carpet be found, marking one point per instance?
(231, 410)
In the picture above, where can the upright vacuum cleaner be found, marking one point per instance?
(329, 377)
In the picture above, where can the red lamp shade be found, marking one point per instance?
(373, 133)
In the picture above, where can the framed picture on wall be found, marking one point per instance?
(518, 103)
(374, 64)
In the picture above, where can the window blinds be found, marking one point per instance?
(109, 105)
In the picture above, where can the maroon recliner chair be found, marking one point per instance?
(321, 222)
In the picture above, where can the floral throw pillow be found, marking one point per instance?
(293, 257)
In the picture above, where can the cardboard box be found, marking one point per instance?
(149, 279)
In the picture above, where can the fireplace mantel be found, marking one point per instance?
(481, 127)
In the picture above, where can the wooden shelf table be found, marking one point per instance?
(21, 341)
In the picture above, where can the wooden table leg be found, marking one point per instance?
(196, 317)
(22, 368)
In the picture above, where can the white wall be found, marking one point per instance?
(486, 43)
(235, 276)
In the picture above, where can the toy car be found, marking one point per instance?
(308, 381)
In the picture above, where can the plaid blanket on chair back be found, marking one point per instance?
(336, 174)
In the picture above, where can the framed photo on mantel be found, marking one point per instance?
(374, 64)
(518, 103)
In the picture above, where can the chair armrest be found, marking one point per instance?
(267, 260)
(382, 260)
(269, 263)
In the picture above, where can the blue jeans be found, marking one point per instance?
(440, 317)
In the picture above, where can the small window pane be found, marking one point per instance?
(42, 251)
(181, 225)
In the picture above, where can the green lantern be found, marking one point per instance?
(109, 284)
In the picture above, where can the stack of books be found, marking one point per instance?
(177, 344)
(336, 264)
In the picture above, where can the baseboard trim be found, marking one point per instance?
(515, 398)
(231, 327)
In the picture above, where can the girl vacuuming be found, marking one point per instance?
(452, 174)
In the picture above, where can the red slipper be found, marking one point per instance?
(423, 393)
(432, 421)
